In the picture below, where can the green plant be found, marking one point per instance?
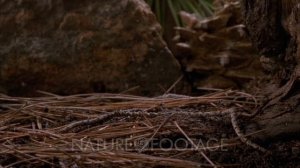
(201, 8)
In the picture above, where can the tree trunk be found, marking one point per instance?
(274, 28)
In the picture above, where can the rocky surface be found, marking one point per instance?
(77, 46)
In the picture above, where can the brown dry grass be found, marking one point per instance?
(115, 130)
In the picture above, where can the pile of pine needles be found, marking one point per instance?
(115, 130)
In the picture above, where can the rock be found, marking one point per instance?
(69, 47)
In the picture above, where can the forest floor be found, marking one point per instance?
(115, 130)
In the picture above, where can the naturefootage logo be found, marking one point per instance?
(154, 144)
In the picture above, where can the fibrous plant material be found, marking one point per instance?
(201, 8)
(126, 131)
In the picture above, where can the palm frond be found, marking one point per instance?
(201, 8)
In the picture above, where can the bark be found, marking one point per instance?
(274, 28)
(281, 122)
(263, 21)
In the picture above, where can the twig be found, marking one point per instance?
(156, 131)
(24, 154)
(19, 162)
(194, 145)
(130, 89)
(48, 94)
(174, 84)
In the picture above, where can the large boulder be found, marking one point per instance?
(68, 47)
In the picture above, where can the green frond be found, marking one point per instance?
(202, 8)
